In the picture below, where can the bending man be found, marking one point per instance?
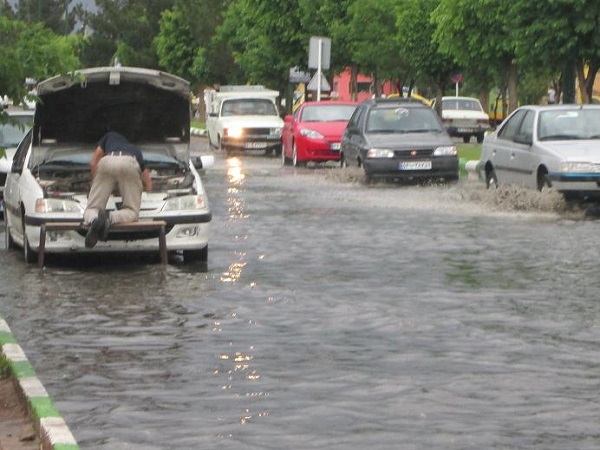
(116, 162)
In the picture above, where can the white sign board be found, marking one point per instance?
(319, 46)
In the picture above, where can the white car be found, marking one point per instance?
(465, 117)
(546, 146)
(12, 131)
(50, 175)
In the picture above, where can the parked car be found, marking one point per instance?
(314, 132)
(13, 128)
(50, 175)
(399, 138)
(465, 117)
(546, 146)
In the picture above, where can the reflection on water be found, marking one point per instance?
(332, 315)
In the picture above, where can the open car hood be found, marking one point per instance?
(145, 105)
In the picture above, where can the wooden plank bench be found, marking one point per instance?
(148, 225)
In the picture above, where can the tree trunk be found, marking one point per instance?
(568, 78)
(354, 83)
(513, 94)
(581, 83)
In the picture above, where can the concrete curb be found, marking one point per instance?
(197, 131)
(51, 429)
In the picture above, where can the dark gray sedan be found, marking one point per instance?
(399, 139)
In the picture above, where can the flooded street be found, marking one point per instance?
(331, 315)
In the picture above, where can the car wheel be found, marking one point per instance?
(480, 137)
(28, 254)
(368, 176)
(284, 158)
(466, 139)
(491, 180)
(10, 243)
(543, 181)
(343, 162)
(191, 256)
(295, 160)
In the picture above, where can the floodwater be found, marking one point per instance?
(331, 315)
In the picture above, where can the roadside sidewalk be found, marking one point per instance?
(33, 419)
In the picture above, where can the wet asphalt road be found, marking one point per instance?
(330, 315)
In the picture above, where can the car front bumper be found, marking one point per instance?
(441, 167)
(250, 143)
(182, 233)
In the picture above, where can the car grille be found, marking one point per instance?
(413, 153)
(257, 131)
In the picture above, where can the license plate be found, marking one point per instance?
(335, 146)
(256, 145)
(415, 165)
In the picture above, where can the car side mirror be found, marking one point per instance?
(204, 161)
(523, 139)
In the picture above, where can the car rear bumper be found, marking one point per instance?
(466, 130)
(442, 167)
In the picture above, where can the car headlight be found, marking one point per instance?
(57, 205)
(234, 132)
(445, 151)
(380, 153)
(579, 167)
(185, 202)
(311, 134)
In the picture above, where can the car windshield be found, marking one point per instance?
(402, 120)
(12, 132)
(248, 107)
(569, 124)
(461, 104)
(327, 113)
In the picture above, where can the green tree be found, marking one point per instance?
(477, 35)
(58, 15)
(419, 50)
(32, 50)
(264, 40)
(185, 43)
(563, 34)
(124, 29)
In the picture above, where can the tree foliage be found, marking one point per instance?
(124, 29)
(32, 50)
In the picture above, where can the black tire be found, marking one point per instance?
(480, 137)
(29, 255)
(295, 160)
(10, 243)
(284, 159)
(543, 181)
(343, 162)
(368, 176)
(192, 256)
(466, 139)
(491, 180)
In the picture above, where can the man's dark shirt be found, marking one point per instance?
(116, 142)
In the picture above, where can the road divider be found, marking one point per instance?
(469, 168)
(52, 431)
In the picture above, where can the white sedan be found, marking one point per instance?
(50, 175)
(465, 117)
(546, 146)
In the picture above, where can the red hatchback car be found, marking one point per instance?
(314, 132)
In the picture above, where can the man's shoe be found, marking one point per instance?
(96, 229)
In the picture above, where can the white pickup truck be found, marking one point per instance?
(243, 118)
